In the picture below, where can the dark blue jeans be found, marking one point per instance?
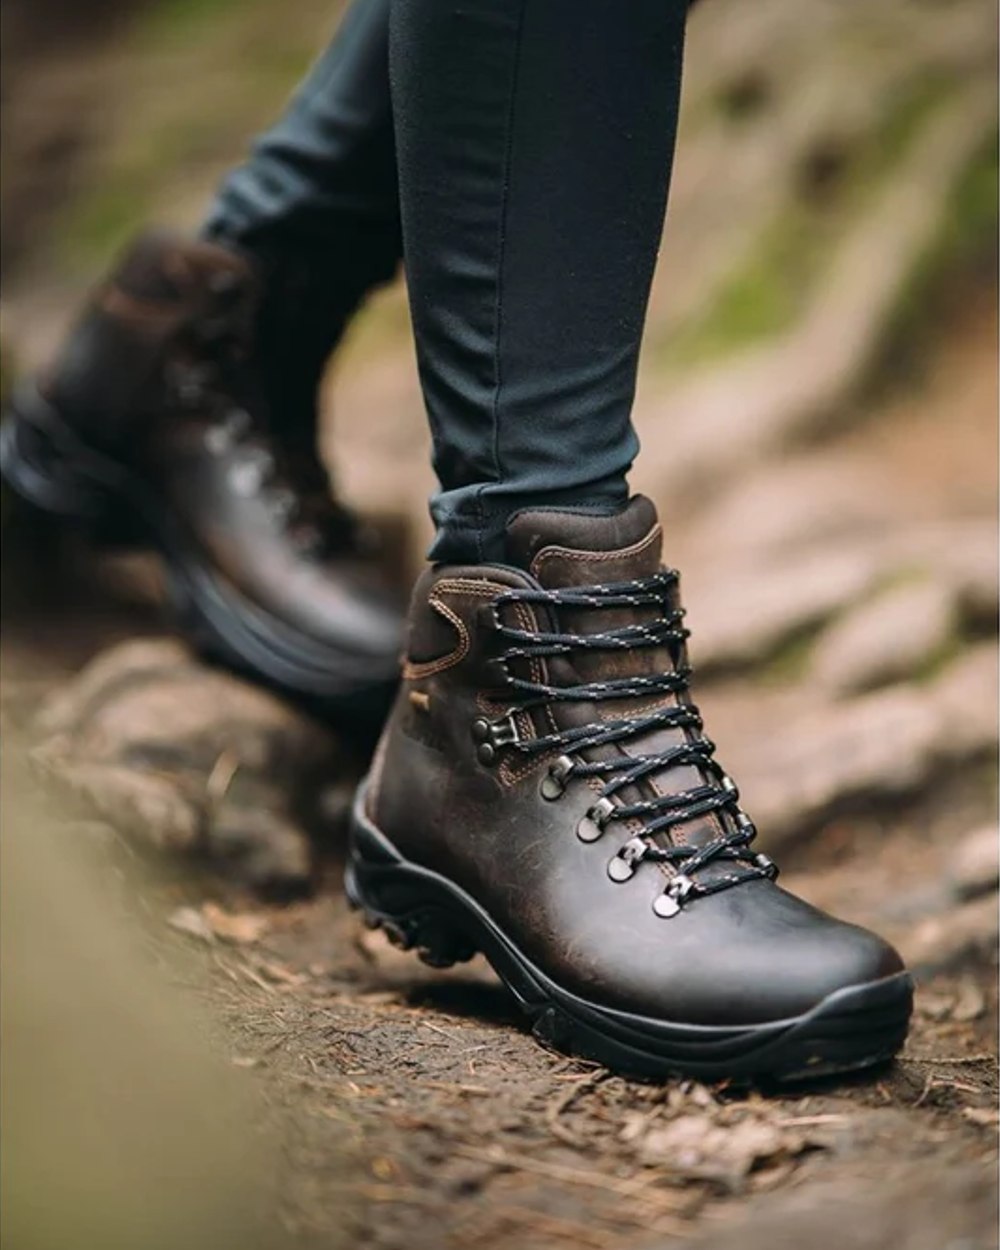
(516, 154)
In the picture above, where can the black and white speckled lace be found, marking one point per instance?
(661, 813)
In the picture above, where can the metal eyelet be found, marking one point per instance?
(627, 859)
(218, 439)
(492, 735)
(504, 732)
(246, 477)
(553, 784)
(745, 825)
(766, 864)
(672, 899)
(480, 732)
(592, 825)
(251, 470)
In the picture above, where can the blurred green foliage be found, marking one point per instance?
(964, 249)
(765, 295)
(197, 78)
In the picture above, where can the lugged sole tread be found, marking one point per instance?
(855, 1028)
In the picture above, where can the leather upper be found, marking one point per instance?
(159, 373)
(748, 954)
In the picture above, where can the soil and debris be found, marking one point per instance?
(411, 1106)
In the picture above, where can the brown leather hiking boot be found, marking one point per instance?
(154, 413)
(543, 793)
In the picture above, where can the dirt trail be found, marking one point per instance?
(414, 1108)
(468, 1132)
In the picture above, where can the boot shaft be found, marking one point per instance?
(166, 306)
(543, 792)
(467, 690)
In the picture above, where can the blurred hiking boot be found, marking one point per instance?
(543, 793)
(154, 417)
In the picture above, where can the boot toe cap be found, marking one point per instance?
(753, 955)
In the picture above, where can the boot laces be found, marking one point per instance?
(219, 381)
(662, 813)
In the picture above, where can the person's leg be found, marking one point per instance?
(534, 142)
(316, 206)
(543, 791)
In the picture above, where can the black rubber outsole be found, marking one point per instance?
(45, 463)
(856, 1027)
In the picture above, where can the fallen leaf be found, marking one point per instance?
(190, 920)
(279, 973)
(243, 928)
(696, 1147)
(634, 1125)
(970, 1003)
(986, 1117)
(935, 1006)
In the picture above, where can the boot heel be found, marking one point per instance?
(44, 462)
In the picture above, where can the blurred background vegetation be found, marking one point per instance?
(796, 118)
(835, 193)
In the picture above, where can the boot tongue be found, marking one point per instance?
(564, 549)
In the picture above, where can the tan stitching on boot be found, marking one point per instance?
(566, 553)
(510, 774)
(414, 670)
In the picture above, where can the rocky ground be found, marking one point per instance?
(843, 600)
